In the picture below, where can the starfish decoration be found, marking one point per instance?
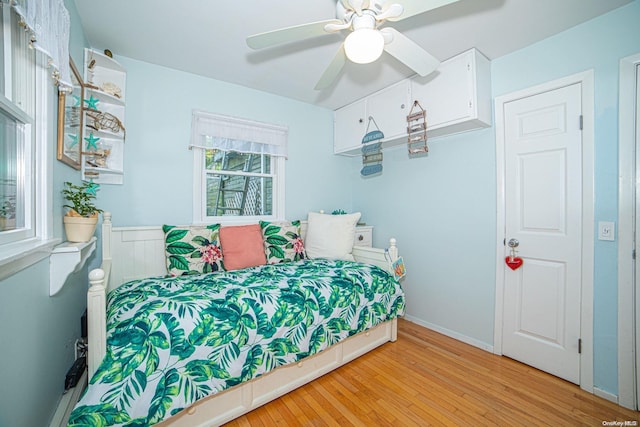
(76, 99)
(91, 141)
(92, 103)
(92, 187)
(74, 140)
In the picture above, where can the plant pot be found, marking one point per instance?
(80, 229)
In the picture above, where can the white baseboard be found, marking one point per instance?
(605, 395)
(452, 334)
(68, 402)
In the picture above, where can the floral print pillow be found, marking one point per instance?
(282, 241)
(192, 249)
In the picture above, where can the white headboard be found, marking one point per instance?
(139, 252)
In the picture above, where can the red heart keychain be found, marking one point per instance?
(514, 262)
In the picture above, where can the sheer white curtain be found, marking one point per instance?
(49, 24)
(210, 130)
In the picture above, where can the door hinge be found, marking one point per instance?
(579, 345)
(633, 254)
(581, 121)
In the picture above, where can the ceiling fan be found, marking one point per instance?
(366, 41)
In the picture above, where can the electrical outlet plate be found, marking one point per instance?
(606, 230)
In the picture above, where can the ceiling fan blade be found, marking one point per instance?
(332, 70)
(290, 34)
(414, 7)
(408, 52)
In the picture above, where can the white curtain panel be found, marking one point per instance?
(214, 131)
(49, 23)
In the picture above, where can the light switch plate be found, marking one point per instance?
(606, 230)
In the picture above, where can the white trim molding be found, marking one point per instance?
(627, 374)
(451, 334)
(586, 81)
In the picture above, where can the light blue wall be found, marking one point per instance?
(443, 206)
(37, 335)
(441, 209)
(37, 332)
(158, 177)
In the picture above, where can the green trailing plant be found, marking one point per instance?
(81, 198)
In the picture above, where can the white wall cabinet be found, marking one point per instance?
(104, 115)
(388, 107)
(457, 98)
(349, 124)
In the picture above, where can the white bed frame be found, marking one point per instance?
(130, 253)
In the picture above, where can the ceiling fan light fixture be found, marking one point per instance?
(364, 45)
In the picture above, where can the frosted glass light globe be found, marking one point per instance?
(364, 45)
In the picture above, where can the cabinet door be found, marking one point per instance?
(349, 124)
(389, 108)
(448, 96)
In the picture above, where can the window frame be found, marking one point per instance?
(25, 165)
(30, 245)
(200, 194)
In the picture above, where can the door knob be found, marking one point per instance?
(513, 243)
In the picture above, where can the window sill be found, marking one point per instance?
(16, 257)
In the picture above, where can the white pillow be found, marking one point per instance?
(330, 236)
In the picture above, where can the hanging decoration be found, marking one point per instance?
(92, 141)
(513, 261)
(417, 129)
(92, 187)
(397, 266)
(92, 103)
(372, 150)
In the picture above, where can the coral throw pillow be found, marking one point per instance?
(242, 246)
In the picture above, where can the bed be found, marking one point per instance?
(204, 349)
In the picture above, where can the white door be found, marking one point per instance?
(543, 196)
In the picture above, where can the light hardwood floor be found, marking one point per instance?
(428, 379)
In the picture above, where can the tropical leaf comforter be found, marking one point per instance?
(172, 341)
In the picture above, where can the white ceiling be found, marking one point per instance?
(207, 37)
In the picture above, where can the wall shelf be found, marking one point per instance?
(104, 119)
(65, 259)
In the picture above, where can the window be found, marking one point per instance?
(239, 169)
(33, 40)
(17, 139)
(15, 185)
(238, 184)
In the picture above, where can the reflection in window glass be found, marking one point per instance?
(238, 184)
(11, 206)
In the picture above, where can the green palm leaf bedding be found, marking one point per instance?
(172, 341)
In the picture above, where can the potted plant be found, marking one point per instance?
(81, 219)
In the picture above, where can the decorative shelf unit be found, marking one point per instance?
(65, 259)
(104, 115)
